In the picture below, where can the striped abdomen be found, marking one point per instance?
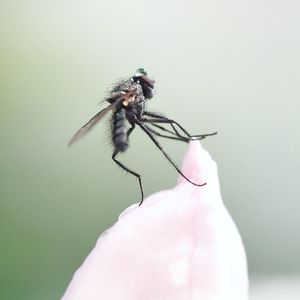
(119, 131)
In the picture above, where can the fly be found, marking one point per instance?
(127, 103)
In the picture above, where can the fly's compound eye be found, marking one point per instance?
(140, 72)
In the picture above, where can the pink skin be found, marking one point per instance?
(180, 244)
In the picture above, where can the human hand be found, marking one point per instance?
(180, 244)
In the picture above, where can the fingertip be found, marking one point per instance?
(197, 164)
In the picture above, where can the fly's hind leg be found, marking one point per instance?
(138, 176)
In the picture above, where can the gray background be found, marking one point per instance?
(230, 66)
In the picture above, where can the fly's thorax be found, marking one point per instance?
(126, 86)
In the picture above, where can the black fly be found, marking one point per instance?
(127, 101)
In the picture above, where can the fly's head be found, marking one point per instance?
(147, 84)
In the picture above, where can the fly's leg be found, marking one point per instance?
(165, 129)
(138, 176)
(160, 118)
(196, 137)
(155, 118)
(154, 122)
(173, 137)
(145, 129)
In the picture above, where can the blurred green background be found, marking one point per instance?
(231, 66)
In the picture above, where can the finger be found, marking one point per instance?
(181, 244)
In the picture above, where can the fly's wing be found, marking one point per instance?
(93, 121)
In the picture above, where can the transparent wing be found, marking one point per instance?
(92, 122)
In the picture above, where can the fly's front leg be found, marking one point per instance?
(172, 137)
(155, 118)
(162, 119)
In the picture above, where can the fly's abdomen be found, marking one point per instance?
(119, 131)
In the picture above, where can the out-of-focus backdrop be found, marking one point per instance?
(231, 66)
